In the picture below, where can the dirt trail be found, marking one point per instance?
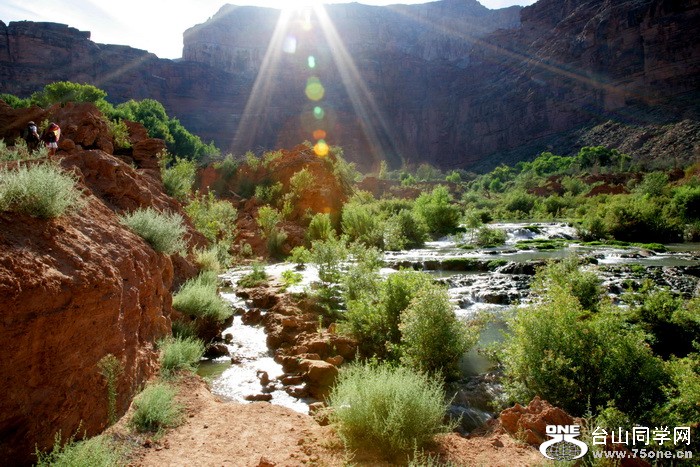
(218, 433)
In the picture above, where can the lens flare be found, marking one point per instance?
(319, 134)
(321, 148)
(314, 89)
(312, 61)
(319, 113)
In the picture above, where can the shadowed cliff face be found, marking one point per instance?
(447, 82)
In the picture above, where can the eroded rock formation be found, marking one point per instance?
(79, 287)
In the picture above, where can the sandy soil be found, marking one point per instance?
(218, 433)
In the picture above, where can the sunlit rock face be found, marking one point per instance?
(449, 82)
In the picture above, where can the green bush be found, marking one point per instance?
(681, 406)
(163, 231)
(320, 228)
(437, 210)
(152, 115)
(687, 201)
(268, 220)
(178, 178)
(20, 151)
(673, 323)
(177, 353)
(213, 218)
(155, 408)
(42, 190)
(373, 317)
(405, 230)
(361, 223)
(269, 193)
(198, 298)
(301, 182)
(62, 92)
(489, 236)
(519, 202)
(254, 278)
(120, 134)
(636, 218)
(433, 340)
(392, 409)
(94, 452)
(585, 286)
(328, 257)
(579, 361)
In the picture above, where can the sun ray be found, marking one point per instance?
(261, 95)
(360, 96)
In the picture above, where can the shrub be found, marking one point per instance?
(438, 212)
(93, 452)
(290, 278)
(577, 361)
(301, 182)
(269, 194)
(111, 368)
(207, 260)
(389, 408)
(681, 407)
(177, 353)
(328, 256)
(585, 286)
(120, 133)
(163, 231)
(254, 278)
(654, 184)
(178, 178)
(215, 219)
(42, 190)
(198, 298)
(361, 223)
(156, 409)
(519, 202)
(320, 228)
(488, 236)
(20, 151)
(687, 200)
(227, 167)
(299, 255)
(405, 230)
(268, 221)
(433, 340)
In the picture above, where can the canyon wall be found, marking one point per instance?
(79, 287)
(447, 82)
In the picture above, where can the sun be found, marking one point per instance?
(300, 4)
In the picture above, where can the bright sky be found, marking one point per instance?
(153, 25)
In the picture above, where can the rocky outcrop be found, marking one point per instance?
(447, 82)
(77, 288)
(309, 352)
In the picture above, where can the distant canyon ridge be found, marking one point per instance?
(450, 83)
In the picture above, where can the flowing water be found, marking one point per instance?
(496, 280)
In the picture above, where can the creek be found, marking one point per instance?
(480, 281)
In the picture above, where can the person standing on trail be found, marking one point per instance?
(51, 136)
(31, 136)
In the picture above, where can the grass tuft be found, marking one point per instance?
(199, 298)
(42, 190)
(180, 353)
(156, 409)
(163, 231)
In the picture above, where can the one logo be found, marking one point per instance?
(563, 446)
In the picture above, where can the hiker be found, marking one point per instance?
(32, 137)
(51, 136)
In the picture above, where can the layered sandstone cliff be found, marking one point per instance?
(447, 82)
(79, 287)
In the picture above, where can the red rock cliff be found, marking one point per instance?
(76, 288)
